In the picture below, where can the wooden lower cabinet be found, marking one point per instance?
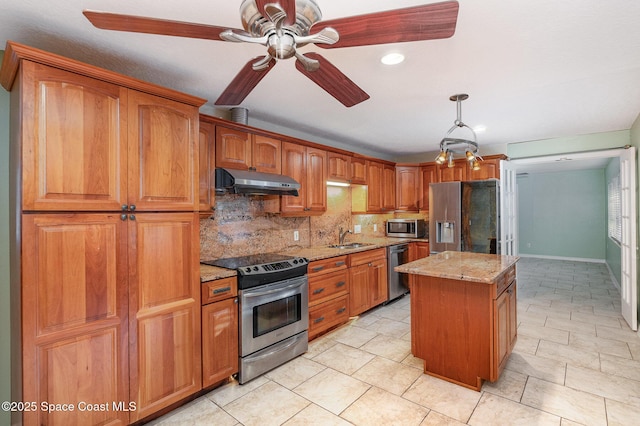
(74, 330)
(368, 280)
(418, 250)
(506, 328)
(219, 330)
(328, 294)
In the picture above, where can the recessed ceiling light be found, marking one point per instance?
(392, 58)
(480, 129)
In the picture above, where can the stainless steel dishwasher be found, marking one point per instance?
(397, 254)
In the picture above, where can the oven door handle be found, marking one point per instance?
(273, 290)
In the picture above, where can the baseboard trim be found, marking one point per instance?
(573, 259)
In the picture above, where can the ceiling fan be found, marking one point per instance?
(283, 26)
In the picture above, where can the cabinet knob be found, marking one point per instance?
(124, 207)
(132, 207)
(123, 217)
(132, 217)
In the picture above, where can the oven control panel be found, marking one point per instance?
(272, 267)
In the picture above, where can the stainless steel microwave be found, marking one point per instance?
(406, 228)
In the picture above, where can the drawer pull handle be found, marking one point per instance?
(340, 284)
(318, 268)
(341, 310)
(340, 263)
(318, 290)
(221, 290)
(317, 320)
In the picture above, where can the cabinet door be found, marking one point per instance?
(219, 341)
(294, 165)
(265, 155)
(316, 181)
(407, 184)
(74, 141)
(513, 316)
(207, 165)
(388, 187)
(378, 289)
(358, 170)
(74, 315)
(163, 154)
(374, 183)
(501, 332)
(233, 148)
(339, 167)
(489, 169)
(164, 310)
(457, 173)
(358, 289)
(428, 175)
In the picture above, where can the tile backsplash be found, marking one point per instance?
(240, 225)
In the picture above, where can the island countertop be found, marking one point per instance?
(458, 265)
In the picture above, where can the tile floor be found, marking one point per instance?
(576, 362)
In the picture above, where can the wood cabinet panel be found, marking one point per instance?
(379, 291)
(219, 341)
(339, 167)
(316, 180)
(207, 166)
(294, 165)
(358, 170)
(328, 286)
(217, 290)
(388, 187)
(330, 264)
(428, 175)
(324, 316)
(367, 280)
(74, 314)
(418, 250)
(457, 173)
(163, 149)
(308, 166)
(75, 141)
(265, 154)
(489, 168)
(408, 186)
(164, 310)
(233, 148)
(358, 289)
(374, 183)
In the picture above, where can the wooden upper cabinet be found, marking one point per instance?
(407, 187)
(388, 187)
(457, 173)
(265, 154)
(428, 175)
(233, 148)
(163, 149)
(489, 168)
(374, 183)
(236, 149)
(74, 138)
(308, 166)
(316, 193)
(339, 167)
(358, 170)
(207, 165)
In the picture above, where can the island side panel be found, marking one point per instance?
(451, 328)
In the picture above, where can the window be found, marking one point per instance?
(614, 209)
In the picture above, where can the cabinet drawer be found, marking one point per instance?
(328, 286)
(327, 265)
(327, 315)
(506, 279)
(213, 291)
(367, 256)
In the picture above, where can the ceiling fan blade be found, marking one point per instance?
(426, 22)
(333, 81)
(141, 24)
(243, 83)
(288, 6)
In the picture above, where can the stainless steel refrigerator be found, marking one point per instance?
(464, 216)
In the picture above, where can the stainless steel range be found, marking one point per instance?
(274, 310)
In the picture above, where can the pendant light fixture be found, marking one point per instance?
(451, 145)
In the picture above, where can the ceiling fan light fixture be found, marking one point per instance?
(457, 144)
(392, 58)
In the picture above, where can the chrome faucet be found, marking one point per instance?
(342, 234)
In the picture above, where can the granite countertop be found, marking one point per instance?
(210, 273)
(457, 265)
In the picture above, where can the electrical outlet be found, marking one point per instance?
(357, 229)
(296, 236)
(375, 227)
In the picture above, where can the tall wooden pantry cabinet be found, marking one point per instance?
(105, 284)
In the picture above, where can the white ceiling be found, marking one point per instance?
(534, 69)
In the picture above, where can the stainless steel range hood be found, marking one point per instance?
(249, 182)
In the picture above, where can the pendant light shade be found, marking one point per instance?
(458, 144)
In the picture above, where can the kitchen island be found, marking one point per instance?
(463, 314)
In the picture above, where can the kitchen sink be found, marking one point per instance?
(349, 245)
